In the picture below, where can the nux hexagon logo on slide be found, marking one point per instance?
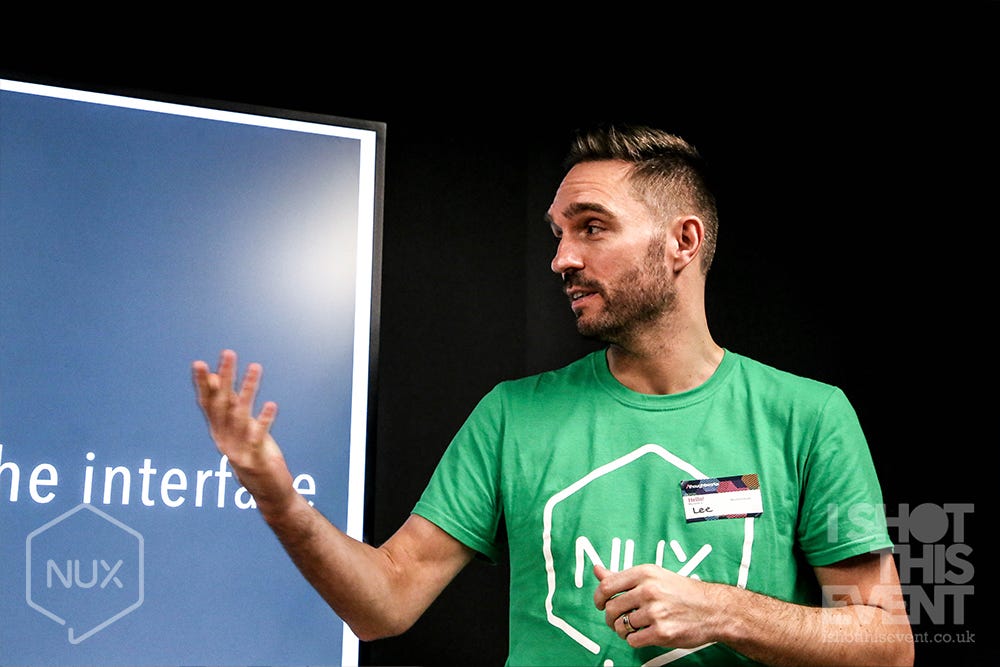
(84, 570)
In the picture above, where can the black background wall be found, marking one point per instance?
(855, 159)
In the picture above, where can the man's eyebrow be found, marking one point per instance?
(576, 208)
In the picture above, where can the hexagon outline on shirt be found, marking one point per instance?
(648, 449)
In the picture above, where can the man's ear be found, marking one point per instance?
(687, 234)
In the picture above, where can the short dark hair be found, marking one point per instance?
(668, 172)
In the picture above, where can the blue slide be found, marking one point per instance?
(136, 237)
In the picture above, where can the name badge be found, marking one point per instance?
(736, 497)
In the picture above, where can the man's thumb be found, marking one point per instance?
(601, 572)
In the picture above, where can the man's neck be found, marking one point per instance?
(665, 362)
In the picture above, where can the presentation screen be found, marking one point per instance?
(137, 236)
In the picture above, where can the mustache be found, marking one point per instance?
(574, 280)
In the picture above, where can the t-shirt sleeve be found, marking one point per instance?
(463, 495)
(842, 510)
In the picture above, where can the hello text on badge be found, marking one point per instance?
(735, 497)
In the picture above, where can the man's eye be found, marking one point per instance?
(593, 229)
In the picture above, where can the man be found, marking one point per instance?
(664, 498)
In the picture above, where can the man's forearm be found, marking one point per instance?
(349, 575)
(784, 634)
(378, 592)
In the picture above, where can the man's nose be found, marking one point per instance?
(567, 257)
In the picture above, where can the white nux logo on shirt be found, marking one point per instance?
(621, 553)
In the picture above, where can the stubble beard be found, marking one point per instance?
(641, 296)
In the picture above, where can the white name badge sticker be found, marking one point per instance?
(736, 497)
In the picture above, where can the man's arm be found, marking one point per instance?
(378, 592)
(867, 623)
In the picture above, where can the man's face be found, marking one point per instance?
(611, 252)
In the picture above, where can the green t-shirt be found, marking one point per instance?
(583, 470)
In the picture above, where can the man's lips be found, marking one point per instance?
(580, 295)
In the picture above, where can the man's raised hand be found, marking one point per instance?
(246, 440)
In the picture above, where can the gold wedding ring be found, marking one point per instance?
(628, 626)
